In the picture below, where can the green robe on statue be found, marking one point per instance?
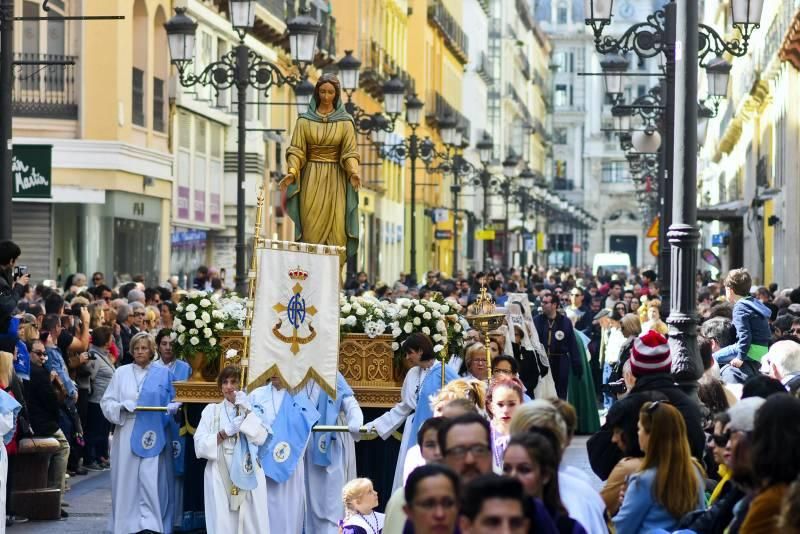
(321, 202)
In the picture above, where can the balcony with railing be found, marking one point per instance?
(484, 67)
(524, 64)
(46, 92)
(437, 108)
(525, 15)
(378, 67)
(563, 184)
(454, 37)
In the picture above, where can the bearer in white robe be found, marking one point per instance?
(289, 419)
(229, 510)
(141, 484)
(326, 457)
(9, 408)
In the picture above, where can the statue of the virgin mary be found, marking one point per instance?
(322, 180)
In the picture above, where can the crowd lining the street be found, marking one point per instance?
(487, 454)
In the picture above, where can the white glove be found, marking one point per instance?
(173, 407)
(242, 400)
(233, 427)
(129, 405)
(354, 428)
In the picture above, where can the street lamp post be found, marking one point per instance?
(698, 41)
(240, 68)
(6, 132)
(485, 152)
(510, 173)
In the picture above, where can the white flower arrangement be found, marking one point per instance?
(363, 315)
(194, 329)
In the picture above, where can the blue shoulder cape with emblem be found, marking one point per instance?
(151, 429)
(9, 404)
(429, 388)
(328, 413)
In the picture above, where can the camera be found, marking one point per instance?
(20, 270)
(91, 356)
(614, 388)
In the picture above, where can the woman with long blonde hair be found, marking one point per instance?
(669, 484)
(469, 389)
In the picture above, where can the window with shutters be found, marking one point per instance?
(138, 97)
(159, 107)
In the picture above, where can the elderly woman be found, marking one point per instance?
(141, 473)
(228, 436)
(475, 361)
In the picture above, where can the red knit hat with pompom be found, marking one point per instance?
(650, 354)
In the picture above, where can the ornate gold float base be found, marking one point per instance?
(368, 366)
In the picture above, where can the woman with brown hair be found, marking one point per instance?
(670, 483)
(322, 180)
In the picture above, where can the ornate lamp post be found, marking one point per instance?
(241, 68)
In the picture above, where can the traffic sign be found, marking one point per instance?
(484, 235)
(654, 248)
(654, 228)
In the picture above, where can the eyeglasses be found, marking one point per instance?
(38, 352)
(477, 450)
(138, 314)
(429, 505)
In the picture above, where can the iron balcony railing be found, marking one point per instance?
(276, 7)
(454, 37)
(45, 91)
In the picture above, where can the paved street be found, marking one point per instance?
(90, 498)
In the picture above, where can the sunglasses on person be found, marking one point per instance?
(38, 352)
(720, 440)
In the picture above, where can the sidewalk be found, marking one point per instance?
(89, 509)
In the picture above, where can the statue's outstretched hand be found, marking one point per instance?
(286, 182)
(355, 181)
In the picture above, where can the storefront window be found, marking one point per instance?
(136, 250)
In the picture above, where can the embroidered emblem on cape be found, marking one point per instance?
(176, 448)
(560, 335)
(282, 452)
(322, 445)
(247, 464)
(298, 315)
(149, 440)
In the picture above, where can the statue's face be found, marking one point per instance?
(327, 94)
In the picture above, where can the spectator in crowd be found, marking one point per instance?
(669, 483)
(431, 494)
(12, 284)
(100, 370)
(126, 331)
(782, 362)
(44, 395)
(502, 399)
(493, 503)
(465, 446)
(654, 321)
(751, 320)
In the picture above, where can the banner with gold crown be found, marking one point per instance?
(294, 332)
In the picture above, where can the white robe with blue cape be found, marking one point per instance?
(414, 408)
(9, 408)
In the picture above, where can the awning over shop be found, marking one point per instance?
(725, 211)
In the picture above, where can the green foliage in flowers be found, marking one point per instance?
(198, 322)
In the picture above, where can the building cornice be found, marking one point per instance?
(105, 155)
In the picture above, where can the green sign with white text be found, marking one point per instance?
(31, 171)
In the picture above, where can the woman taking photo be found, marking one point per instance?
(228, 437)
(141, 474)
(422, 382)
(502, 399)
(669, 483)
(532, 458)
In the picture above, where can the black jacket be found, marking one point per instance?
(42, 402)
(10, 293)
(717, 518)
(604, 455)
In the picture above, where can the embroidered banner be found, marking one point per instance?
(295, 328)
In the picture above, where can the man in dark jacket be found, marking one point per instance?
(650, 363)
(43, 409)
(11, 289)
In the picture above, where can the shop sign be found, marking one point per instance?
(183, 202)
(484, 235)
(31, 171)
(200, 206)
(443, 234)
(189, 237)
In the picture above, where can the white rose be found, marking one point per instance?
(193, 331)
(342, 321)
(396, 332)
(426, 330)
(440, 326)
(351, 320)
(437, 337)
(395, 346)
(179, 308)
(217, 314)
(206, 317)
(220, 326)
(408, 328)
(417, 322)
(378, 312)
(180, 328)
(445, 309)
(437, 348)
(346, 308)
(361, 311)
(173, 335)
(457, 327)
(176, 321)
(182, 339)
(190, 316)
(191, 308)
(403, 313)
(205, 303)
(426, 316)
(419, 308)
(194, 340)
(212, 341)
(199, 323)
(207, 332)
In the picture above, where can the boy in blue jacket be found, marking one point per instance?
(751, 319)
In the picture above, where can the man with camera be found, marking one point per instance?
(13, 279)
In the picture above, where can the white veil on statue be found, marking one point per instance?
(519, 314)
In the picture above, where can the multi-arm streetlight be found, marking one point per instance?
(242, 68)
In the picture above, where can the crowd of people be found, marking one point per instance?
(483, 436)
